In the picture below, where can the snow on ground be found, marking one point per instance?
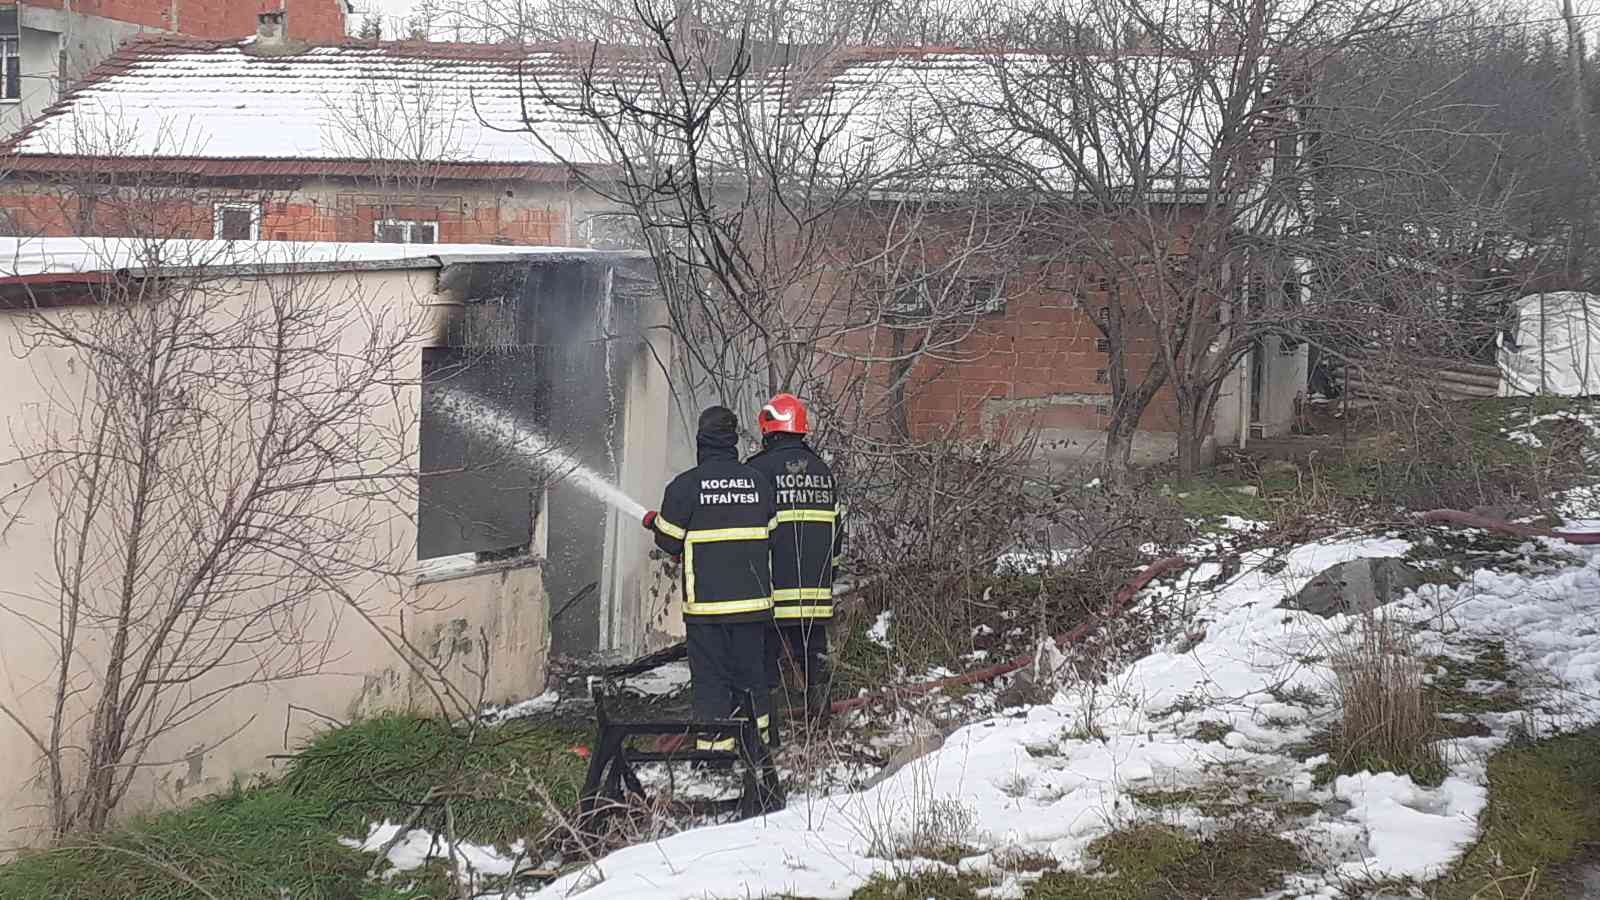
(1589, 420)
(879, 632)
(418, 846)
(1052, 778)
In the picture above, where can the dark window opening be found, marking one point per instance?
(1102, 345)
(1102, 376)
(1105, 313)
(237, 221)
(10, 54)
(983, 296)
(911, 300)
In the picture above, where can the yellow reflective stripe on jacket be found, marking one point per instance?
(803, 612)
(839, 560)
(724, 744)
(726, 607)
(709, 535)
(807, 515)
(782, 594)
(667, 528)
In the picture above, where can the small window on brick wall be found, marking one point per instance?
(1102, 345)
(984, 297)
(405, 231)
(1102, 376)
(237, 221)
(1105, 314)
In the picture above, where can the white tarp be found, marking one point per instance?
(1553, 347)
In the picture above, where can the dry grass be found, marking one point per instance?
(1388, 719)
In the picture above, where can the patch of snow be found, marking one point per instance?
(1411, 832)
(661, 681)
(1052, 778)
(1030, 562)
(540, 704)
(419, 845)
(879, 632)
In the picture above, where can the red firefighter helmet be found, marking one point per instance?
(784, 412)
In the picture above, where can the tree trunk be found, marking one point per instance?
(1194, 426)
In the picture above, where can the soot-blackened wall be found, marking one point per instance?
(542, 339)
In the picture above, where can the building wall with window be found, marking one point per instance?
(304, 209)
(503, 604)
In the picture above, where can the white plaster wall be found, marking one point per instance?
(447, 619)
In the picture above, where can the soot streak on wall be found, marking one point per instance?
(543, 339)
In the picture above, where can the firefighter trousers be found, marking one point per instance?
(726, 664)
(804, 644)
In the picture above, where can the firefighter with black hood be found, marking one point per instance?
(718, 516)
(805, 549)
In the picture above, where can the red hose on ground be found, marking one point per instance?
(1118, 603)
(1469, 520)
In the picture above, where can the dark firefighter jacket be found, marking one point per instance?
(809, 537)
(718, 515)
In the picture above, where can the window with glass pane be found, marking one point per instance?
(400, 231)
(10, 54)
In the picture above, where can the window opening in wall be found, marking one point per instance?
(984, 297)
(612, 231)
(10, 54)
(1102, 345)
(405, 231)
(1105, 313)
(1102, 376)
(237, 221)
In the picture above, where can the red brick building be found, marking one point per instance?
(409, 142)
(308, 20)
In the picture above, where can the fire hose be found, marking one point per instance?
(1119, 603)
(1471, 520)
(1166, 566)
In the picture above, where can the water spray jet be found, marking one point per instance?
(504, 429)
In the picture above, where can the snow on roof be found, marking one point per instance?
(476, 106)
(209, 100)
(47, 259)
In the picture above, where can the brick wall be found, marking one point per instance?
(479, 217)
(1038, 364)
(309, 20)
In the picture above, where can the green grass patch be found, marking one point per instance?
(380, 768)
(1150, 862)
(1543, 815)
(943, 885)
(242, 844)
(280, 839)
(1452, 683)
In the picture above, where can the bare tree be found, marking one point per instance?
(403, 130)
(221, 461)
(792, 253)
(887, 23)
(1176, 145)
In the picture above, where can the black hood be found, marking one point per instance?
(718, 437)
(779, 439)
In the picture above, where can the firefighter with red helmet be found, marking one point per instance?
(806, 545)
(718, 516)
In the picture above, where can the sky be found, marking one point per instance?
(390, 8)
